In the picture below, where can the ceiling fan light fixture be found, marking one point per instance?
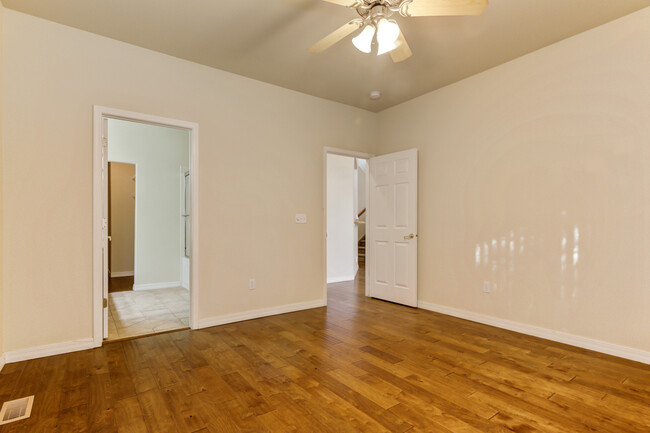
(374, 18)
(363, 41)
(387, 33)
(384, 48)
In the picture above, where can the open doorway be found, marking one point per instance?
(144, 234)
(390, 194)
(147, 218)
(346, 213)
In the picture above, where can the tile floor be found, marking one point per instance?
(142, 312)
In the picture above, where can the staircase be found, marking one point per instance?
(362, 251)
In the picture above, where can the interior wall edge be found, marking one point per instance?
(263, 312)
(120, 274)
(548, 334)
(48, 350)
(157, 286)
(341, 279)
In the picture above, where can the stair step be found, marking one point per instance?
(361, 256)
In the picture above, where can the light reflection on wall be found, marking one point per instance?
(499, 256)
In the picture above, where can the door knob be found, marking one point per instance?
(409, 236)
(109, 238)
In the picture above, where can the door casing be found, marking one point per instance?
(99, 113)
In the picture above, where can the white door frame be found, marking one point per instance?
(99, 113)
(343, 152)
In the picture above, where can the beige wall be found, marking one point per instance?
(261, 162)
(535, 177)
(121, 216)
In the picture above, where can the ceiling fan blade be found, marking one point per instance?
(342, 2)
(335, 36)
(428, 8)
(403, 51)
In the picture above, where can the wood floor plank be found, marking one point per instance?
(128, 416)
(121, 380)
(157, 416)
(212, 409)
(250, 396)
(100, 404)
(185, 415)
(73, 420)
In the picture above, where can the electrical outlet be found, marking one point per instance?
(301, 218)
(486, 287)
(251, 284)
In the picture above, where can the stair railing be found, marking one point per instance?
(357, 220)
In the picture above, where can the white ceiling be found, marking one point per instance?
(268, 39)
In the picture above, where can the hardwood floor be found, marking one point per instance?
(358, 365)
(120, 284)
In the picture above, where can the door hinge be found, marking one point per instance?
(105, 302)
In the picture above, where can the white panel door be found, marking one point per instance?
(392, 227)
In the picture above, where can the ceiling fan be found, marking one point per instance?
(374, 18)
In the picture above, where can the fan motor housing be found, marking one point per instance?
(377, 9)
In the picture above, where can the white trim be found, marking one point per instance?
(548, 334)
(100, 112)
(135, 223)
(255, 314)
(344, 152)
(185, 277)
(341, 279)
(49, 350)
(2, 362)
(155, 286)
(121, 274)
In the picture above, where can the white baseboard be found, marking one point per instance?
(341, 279)
(121, 274)
(2, 362)
(255, 314)
(549, 334)
(48, 350)
(154, 286)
